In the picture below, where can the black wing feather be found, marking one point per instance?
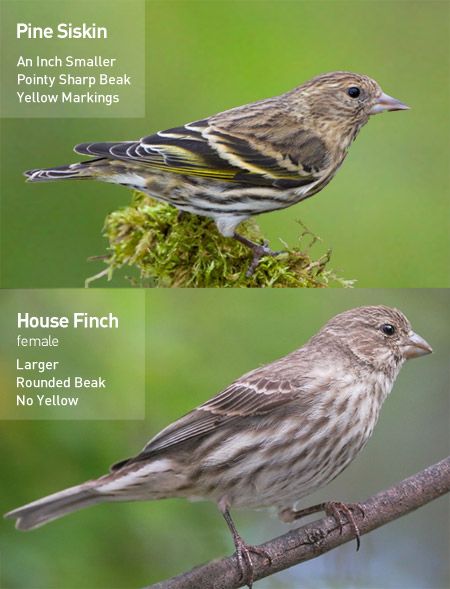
(201, 149)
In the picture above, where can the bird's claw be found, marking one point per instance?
(245, 563)
(259, 252)
(336, 508)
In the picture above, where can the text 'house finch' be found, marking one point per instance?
(252, 159)
(273, 436)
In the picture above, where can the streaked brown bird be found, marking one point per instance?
(252, 159)
(272, 437)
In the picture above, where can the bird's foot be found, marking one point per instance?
(334, 509)
(337, 508)
(243, 550)
(259, 251)
(244, 559)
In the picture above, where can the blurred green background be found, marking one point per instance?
(385, 215)
(50, 14)
(197, 343)
(117, 355)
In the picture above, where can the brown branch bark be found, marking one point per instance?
(322, 535)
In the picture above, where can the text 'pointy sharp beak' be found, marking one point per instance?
(416, 346)
(386, 103)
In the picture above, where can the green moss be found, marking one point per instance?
(173, 250)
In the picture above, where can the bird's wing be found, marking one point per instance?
(244, 398)
(204, 148)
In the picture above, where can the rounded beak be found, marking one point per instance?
(386, 102)
(415, 346)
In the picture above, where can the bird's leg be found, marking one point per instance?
(331, 508)
(181, 215)
(243, 550)
(259, 251)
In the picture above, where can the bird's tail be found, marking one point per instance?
(55, 506)
(81, 170)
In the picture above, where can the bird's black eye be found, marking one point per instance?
(388, 329)
(353, 91)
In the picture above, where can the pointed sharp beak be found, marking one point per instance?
(385, 103)
(416, 346)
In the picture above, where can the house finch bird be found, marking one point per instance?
(273, 436)
(260, 157)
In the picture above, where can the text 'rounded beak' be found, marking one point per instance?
(385, 103)
(416, 346)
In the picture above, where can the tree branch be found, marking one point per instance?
(322, 535)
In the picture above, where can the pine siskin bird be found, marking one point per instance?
(272, 437)
(261, 157)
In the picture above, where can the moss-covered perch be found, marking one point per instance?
(173, 250)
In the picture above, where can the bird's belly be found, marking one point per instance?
(227, 207)
(281, 474)
(285, 487)
(209, 197)
(228, 204)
